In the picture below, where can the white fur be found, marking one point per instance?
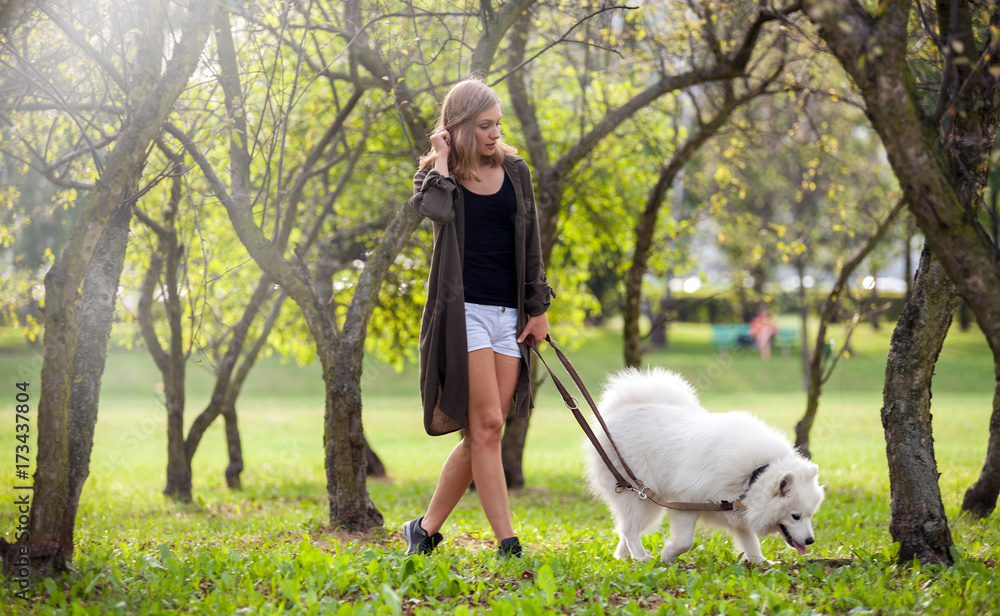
(684, 453)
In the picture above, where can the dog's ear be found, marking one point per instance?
(812, 472)
(784, 485)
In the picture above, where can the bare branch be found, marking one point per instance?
(102, 61)
(845, 271)
(562, 38)
(39, 81)
(265, 253)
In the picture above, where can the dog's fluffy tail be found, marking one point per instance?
(653, 384)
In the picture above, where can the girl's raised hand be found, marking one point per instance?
(441, 141)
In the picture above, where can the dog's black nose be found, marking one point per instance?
(810, 541)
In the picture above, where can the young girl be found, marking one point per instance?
(486, 297)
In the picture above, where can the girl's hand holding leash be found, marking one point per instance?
(537, 328)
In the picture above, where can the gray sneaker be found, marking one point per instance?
(417, 539)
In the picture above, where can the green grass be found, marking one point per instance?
(268, 548)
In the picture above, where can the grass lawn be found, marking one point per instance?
(269, 549)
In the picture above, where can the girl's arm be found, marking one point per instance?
(537, 292)
(432, 195)
(433, 188)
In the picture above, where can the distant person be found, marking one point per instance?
(762, 331)
(486, 299)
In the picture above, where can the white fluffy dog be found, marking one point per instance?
(684, 453)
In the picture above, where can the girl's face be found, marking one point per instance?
(487, 130)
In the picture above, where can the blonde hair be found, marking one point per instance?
(466, 100)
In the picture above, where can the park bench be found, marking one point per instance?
(726, 336)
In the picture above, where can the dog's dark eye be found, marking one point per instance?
(795, 516)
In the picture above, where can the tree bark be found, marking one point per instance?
(658, 334)
(178, 470)
(234, 448)
(374, 467)
(94, 321)
(344, 442)
(515, 436)
(230, 373)
(873, 318)
(908, 259)
(918, 520)
(95, 316)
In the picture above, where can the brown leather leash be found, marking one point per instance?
(635, 485)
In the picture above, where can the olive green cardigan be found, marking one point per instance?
(444, 356)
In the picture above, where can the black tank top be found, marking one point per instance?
(489, 265)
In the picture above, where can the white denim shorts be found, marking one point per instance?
(492, 327)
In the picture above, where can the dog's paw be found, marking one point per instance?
(635, 551)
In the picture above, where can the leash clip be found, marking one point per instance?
(640, 491)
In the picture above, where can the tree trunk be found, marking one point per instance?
(981, 498)
(646, 227)
(941, 158)
(166, 261)
(964, 316)
(918, 520)
(178, 484)
(515, 435)
(995, 225)
(804, 426)
(373, 464)
(631, 312)
(229, 379)
(942, 161)
(94, 320)
(908, 259)
(344, 443)
(659, 336)
(234, 448)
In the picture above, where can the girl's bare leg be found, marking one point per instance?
(492, 380)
